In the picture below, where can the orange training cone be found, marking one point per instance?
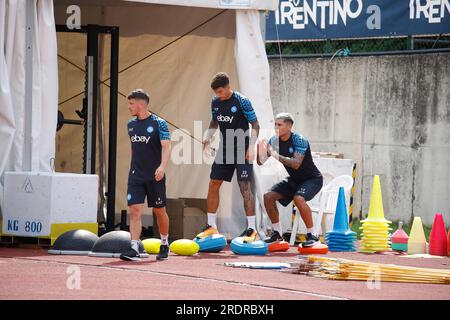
(438, 237)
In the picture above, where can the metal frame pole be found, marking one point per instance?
(92, 50)
(28, 110)
(89, 128)
(112, 147)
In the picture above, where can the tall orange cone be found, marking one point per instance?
(438, 237)
(417, 244)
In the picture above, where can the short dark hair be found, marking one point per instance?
(220, 80)
(285, 116)
(139, 94)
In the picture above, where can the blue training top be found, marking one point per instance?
(233, 116)
(146, 151)
(297, 144)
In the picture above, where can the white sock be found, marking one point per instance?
(164, 239)
(310, 230)
(212, 219)
(277, 227)
(251, 221)
(135, 245)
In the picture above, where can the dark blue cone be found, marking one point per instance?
(341, 238)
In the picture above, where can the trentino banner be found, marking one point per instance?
(342, 19)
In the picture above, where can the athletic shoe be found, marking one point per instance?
(130, 255)
(207, 231)
(249, 235)
(311, 240)
(275, 237)
(163, 252)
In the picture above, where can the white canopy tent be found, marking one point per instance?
(177, 79)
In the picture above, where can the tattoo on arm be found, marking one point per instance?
(295, 162)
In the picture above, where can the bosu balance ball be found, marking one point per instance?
(238, 246)
(74, 242)
(281, 246)
(184, 247)
(319, 248)
(152, 245)
(113, 244)
(213, 243)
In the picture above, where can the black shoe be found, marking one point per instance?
(249, 235)
(130, 255)
(207, 231)
(163, 252)
(274, 237)
(311, 240)
(247, 232)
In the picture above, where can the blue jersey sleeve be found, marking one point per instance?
(213, 107)
(272, 140)
(300, 144)
(164, 133)
(247, 108)
(130, 124)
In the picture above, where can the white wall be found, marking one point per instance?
(391, 114)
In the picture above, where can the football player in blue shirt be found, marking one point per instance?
(302, 184)
(150, 153)
(233, 114)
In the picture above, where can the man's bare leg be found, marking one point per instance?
(306, 214)
(213, 195)
(305, 211)
(270, 203)
(163, 223)
(212, 204)
(247, 195)
(249, 207)
(136, 220)
(135, 232)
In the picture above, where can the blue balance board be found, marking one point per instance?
(214, 243)
(254, 248)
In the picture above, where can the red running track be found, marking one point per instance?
(34, 274)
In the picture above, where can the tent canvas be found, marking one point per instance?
(176, 77)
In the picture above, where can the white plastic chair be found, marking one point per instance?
(327, 201)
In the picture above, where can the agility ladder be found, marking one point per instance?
(342, 269)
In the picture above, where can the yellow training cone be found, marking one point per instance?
(375, 227)
(417, 243)
(376, 211)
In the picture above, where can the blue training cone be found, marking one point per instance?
(341, 238)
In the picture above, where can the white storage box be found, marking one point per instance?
(33, 201)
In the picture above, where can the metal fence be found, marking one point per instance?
(355, 47)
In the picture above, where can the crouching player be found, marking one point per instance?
(302, 184)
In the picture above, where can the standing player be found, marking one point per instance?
(232, 113)
(303, 183)
(150, 153)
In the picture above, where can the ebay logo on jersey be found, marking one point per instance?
(221, 118)
(137, 138)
